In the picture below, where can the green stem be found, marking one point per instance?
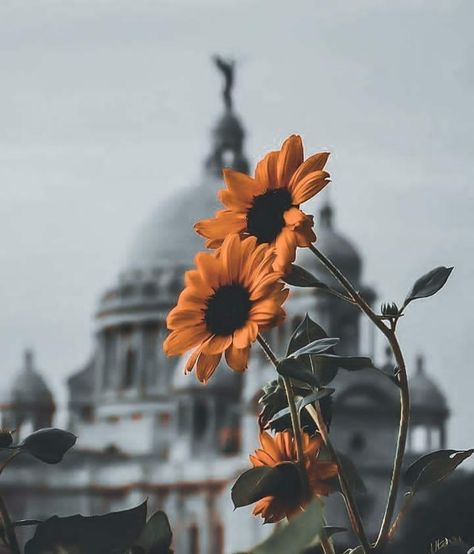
(8, 526)
(353, 512)
(290, 395)
(404, 394)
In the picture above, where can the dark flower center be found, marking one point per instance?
(265, 217)
(227, 310)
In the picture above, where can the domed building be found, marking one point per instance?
(148, 430)
(28, 404)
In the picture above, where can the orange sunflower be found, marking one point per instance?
(282, 448)
(267, 206)
(232, 295)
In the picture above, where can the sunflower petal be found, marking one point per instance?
(237, 358)
(217, 344)
(316, 162)
(209, 268)
(230, 254)
(241, 185)
(183, 339)
(218, 227)
(266, 170)
(206, 365)
(244, 336)
(285, 249)
(309, 186)
(290, 158)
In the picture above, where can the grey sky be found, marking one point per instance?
(105, 108)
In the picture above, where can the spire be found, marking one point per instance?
(326, 215)
(28, 359)
(420, 364)
(228, 135)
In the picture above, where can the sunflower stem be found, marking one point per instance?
(389, 332)
(10, 534)
(290, 395)
(353, 512)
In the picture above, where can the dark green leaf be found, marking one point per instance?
(256, 483)
(306, 332)
(299, 277)
(351, 363)
(434, 467)
(315, 347)
(293, 537)
(429, 284)
(315, 397)
(156, 536)
(290, 367)
(273, 401)
(111, 533)
(248, 487)
(48, 445)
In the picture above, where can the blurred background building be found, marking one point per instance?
(148, 431)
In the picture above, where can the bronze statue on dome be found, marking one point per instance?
(226, 67)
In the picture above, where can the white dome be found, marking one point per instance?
(167, 239)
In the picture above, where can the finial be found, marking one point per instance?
(28, 357)
(226, 67)
(420, 363)
(326, 215)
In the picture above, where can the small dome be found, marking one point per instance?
(333, 245)
(29, 387)
(223, 381)
(425, 395)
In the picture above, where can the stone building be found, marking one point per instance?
(147, 430)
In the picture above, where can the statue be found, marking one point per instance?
(227, 69)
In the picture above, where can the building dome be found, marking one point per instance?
(167, 239)
(425, 395)
(28, 387)
(335, 246)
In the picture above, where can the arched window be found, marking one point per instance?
(193, 539)
(130, 369)
(419, 439)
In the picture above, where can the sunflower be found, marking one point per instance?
(267, 206)
(282, 448)
(232, 295)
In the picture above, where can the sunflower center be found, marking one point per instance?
(265, 217)
(227, 309)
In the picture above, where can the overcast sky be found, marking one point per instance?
(106, 107)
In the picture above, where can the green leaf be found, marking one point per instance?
(281, 480)
(350, 363)
(249, 485)
(315, 397)
(111, 533)
(434, 467)
(293, 537)
(316, 347)
(48, 445)
(429, 284)
(299, 277)
(306, 332)
(294, 369)
(156, 536)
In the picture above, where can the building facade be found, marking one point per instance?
(146, 430)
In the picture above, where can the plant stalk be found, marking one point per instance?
(8, 526)
(404, 394)
(290, 395)
(353, 512)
